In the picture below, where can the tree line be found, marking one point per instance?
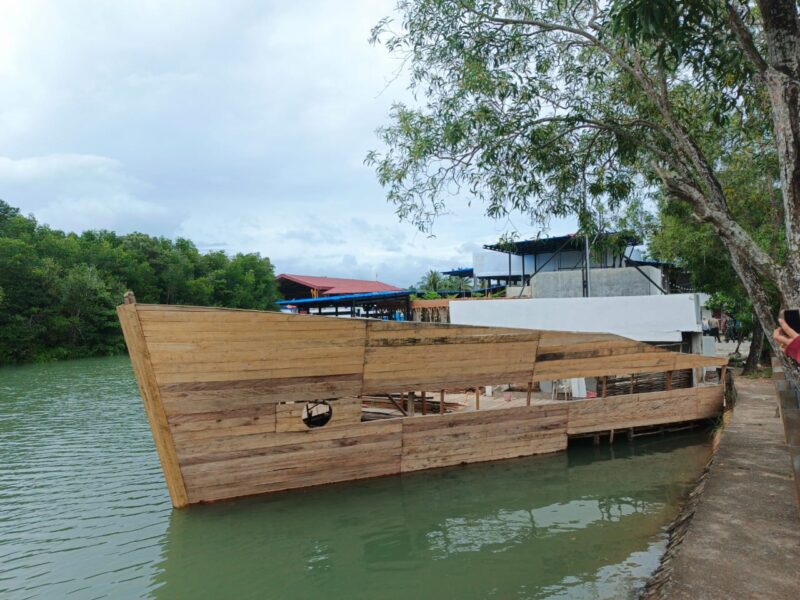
(551, 108)
(59, 291)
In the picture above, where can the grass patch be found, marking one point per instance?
(762, 373)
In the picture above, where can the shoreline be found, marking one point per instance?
(738, 532)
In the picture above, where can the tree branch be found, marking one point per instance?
(745, 39)
(729, 230)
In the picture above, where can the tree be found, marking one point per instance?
(749, 177)
(432, 281)
(564, 106)
(58, 290)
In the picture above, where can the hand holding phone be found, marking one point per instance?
(792, 318)
(789, 321)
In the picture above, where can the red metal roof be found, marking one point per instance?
(331, 286)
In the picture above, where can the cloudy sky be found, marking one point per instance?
(241, 125)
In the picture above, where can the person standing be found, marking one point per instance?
(713, 328)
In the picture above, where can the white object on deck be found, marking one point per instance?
(661, 318)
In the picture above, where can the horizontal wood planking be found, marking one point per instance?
(638, 410)
(211, 396)
(627, 364)
(209, 359)
(420, 355)
(223, 448)
(222, 373)
(709, 401)
(289, 416)
(437, 441)
(562, 355)
(303, 476)
(314, 457)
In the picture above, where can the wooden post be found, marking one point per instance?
(611, 437)
(151, 396)
(424, 402)
(530, 389)
(632, 382)
(668, 384)
(441, 402)
(410, 404)
(723, 381)
(604, 388)
(477, 398)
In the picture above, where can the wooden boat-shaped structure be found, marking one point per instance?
(226, 393)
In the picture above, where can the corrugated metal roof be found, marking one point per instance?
(336, 286)
(329, 299)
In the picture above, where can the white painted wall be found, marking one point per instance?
(644, 318)
(488, 263)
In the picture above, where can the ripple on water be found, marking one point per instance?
(84, 513)
(82, 497)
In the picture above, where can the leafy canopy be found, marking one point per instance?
(539, 106)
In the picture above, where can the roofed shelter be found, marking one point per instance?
(295, 287)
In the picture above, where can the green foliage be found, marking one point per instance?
(749, 176)
(58, 291)
(434, 281)
(535, 106)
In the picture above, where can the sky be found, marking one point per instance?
(241, 125)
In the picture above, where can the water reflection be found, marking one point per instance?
(84, 513)
(580, 524)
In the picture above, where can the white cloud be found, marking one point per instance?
(78, 192)
(241, 125)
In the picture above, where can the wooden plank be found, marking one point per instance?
(231, 387)
(321, 369)
(637, 410)
(145, 377)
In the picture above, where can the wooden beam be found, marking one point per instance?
(528, 398)
(668, 384)
(424, 402)
(441, 402)
(478, 398)
(398, 406)
(604, 387)
(151, 396)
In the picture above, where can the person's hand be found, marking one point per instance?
(784, 334)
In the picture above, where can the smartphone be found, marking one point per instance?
(792, 318)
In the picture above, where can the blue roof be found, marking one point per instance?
(460, 272)
(363, 296)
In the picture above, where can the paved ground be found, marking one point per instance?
(725, 349)
(744, 539)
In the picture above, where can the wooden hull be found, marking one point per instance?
(224, 391)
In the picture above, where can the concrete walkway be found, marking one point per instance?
(744, 539)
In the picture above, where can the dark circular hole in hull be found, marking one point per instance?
(317, 414)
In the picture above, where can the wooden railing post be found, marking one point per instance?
(441, 402)
(478, 398)
(528, 398)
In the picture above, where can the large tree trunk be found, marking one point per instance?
(756, 348)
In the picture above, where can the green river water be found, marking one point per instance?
(84, 513)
